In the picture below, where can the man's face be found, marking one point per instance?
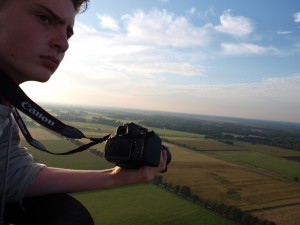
(34, 37)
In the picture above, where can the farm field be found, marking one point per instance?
(146, 204)
(248, 176)
(281, 215)
(244, 186)
(262, 157)
(241, 175)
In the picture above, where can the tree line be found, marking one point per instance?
(279, 134)
(284, 136)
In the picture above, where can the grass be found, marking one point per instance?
(146, 204)
(83, 160)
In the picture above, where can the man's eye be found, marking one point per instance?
(44, 19)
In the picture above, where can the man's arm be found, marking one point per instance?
(57, 180)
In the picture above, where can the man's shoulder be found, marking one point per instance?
(4, 110)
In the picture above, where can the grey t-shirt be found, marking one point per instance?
(22, 170)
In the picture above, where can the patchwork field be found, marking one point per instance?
(218, 180)
(255, 178)
(251, 177)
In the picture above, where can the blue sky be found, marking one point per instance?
(228, 58)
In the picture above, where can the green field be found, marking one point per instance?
(146, 204)
(259, 156)
(250, 177)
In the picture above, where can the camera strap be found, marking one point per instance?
(16, 97)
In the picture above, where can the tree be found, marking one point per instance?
(158, 180)
(196, 199)
(235, 214)
(177, 189)
(186, 191)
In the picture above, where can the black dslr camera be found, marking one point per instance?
(133, 146)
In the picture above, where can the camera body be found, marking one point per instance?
(133, 146)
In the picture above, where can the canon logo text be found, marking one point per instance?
(37, 114)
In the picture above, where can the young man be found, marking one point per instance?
(34, 37)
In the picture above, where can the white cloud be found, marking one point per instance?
(283, 32)
(107, 22)
(245, 48)
(277, 95)
(117, 53)
(162, 28)
(144, 43)
(237, 26)
(191, 12)
(278, 88)
(297, 17)
(210, 11)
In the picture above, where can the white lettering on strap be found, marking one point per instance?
(36, 113)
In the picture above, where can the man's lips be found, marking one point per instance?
(51, 62)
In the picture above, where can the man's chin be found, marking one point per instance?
(42, 76)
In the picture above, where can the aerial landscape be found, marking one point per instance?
(223, 170)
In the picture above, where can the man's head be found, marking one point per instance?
(34, 36)
(79, 5)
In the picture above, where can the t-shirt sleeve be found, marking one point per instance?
(22, 169)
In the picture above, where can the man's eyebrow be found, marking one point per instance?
(56, 17)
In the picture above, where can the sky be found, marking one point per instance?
(225, 58)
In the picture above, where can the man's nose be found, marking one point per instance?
(60, 42)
